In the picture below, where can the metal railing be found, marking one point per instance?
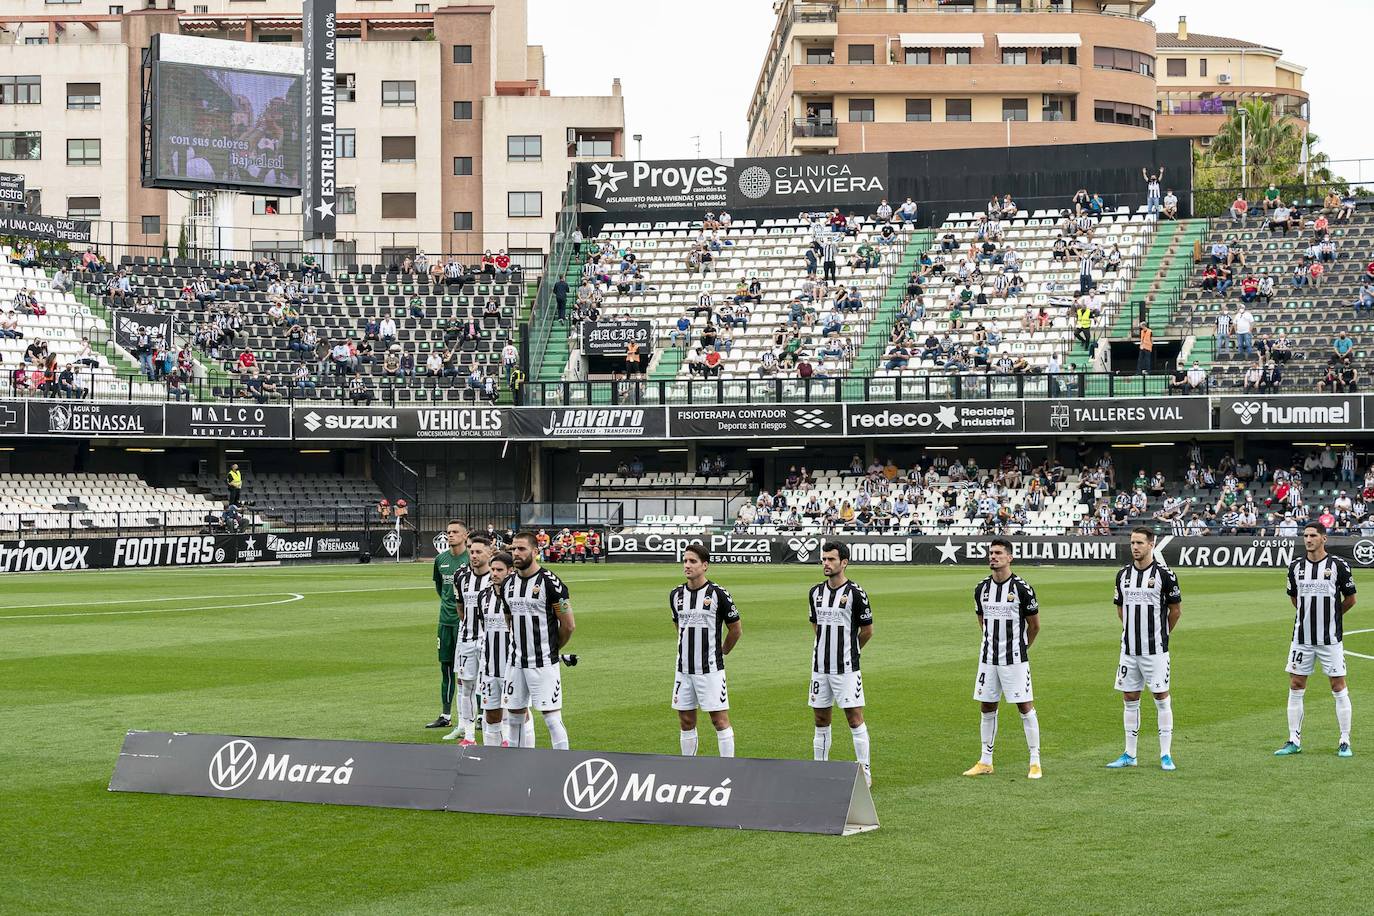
(815, 127)
(962, 386)
(562, 250)
(382, 391)
(828, 12)
(98, 523)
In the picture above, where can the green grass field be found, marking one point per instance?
(86, 656)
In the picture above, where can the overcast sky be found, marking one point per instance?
(688, 69)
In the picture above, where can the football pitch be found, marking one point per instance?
(84, 657)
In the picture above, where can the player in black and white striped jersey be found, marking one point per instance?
(494, 634)
(1149, 604)
(708, 627)
(1009, 617)
(1322, 590)
(468, 582)
(539, 613)
(843, 623)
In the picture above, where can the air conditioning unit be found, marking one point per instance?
(1224, 78)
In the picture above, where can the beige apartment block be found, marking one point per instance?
(450, 140)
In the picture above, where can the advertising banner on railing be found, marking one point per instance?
(1292, 412)
(47, 228)
(612, 338)
(726, 421)
(13, 418)
(228, 421)
(935, 418)
(11, 188)
(560, 423)
(23, 554)
(129, 325)
(343, 423)
(87, 419)
(972, 552)
(1119, 415)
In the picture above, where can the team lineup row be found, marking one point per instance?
(503, 619)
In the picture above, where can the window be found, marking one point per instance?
(1125, 61)
(599, 146)
(957, 56)
(36, 40)
(21, 144)
(1015, 110)
(83, 207)
(1123, 113)
(861, 54)
(462, 111)
(398, 92)
(1059, 56)
(1176, 66)
(422, 7)
(462, 165)
(83, 96)
(274, 39)
(266, 206)
(958, 109)
(346, 143)
(462, 54)
(398, 149)
(524, 147)
(1014, 56)
(152, 225)
(918, 109)
(398, 205)
(346, 201)
(462, 221)
(33, 200)
(200, 8)
(345, 87)
(1059, 108)
(1202, 67)
(116, 11)
(524, 203)
(917, 55)
(860, 110)
(83, 152)
(820, 55)
(20, 90)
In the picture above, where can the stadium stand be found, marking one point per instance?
(78, 502)
(298, 499)
(47, 339)
(655, 271)
(1292, 326)
(313, 336)
(670, 501)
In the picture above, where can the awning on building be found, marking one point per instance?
(941, 39)
(1039, 40)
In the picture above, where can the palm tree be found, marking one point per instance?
(1276, 151)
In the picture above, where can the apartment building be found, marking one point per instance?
(449, 139)
(849, 76)
(1203, 77)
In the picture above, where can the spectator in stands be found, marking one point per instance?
(391, 362)
(1249, 288)
(253, 387)
(1349, 377)
(1365, 299)
(371, 328)
(9, 326)
(1314, 273)
(1347, 208)
(386, 331)
(1281, 219)
(1331, 379)
(247, 361)
(1146, 361)
(1244, 327)
(1342, 345)
(434, 364)
(359, 390)
(303, 380)
(1226, 278)
(1171, 205)
(1240, 207)
(1271, 199)
(1197, 379)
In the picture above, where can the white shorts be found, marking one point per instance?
(843, 690)
(994, 681)
(700, 691)
(491, 690)
(1302, 659)
(534, 688)
(467, 660)
(1135, 673)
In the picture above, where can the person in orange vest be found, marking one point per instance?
(1146, 362)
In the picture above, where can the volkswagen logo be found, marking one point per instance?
(232, 765)
(590, 784)
(1364, 552)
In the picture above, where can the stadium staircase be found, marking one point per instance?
(875, 342)
(1163, 272)
(557, 351)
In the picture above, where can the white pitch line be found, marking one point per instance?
(166, 610)
(1356, 633)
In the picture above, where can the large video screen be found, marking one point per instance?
(227, 128)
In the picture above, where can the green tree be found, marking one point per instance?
(183, 249)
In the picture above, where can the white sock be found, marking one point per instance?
(1295, 713)
(1343, 713)
(988, 729)
(1031, 723)
(1132, 720)
(527, 733)
(515, 728)
(861, 744)
(467, 691)
(688, 742)
(820, 745)
(492, 734)
(725, 741)
(558, 735)
(1165, 708)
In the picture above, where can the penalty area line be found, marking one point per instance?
(1356, 633)
(291, 597)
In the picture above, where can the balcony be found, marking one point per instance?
(857, 79)
(807, 128)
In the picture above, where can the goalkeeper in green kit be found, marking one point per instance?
(445, 565)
